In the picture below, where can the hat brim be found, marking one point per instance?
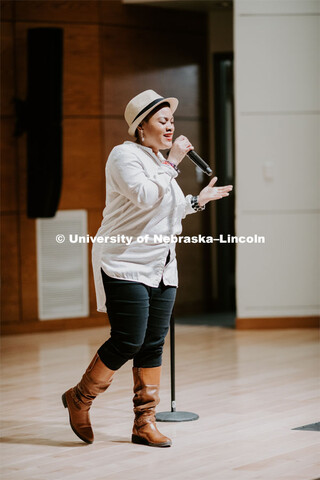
(173, 106)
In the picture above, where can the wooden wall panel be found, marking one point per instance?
(8, 179)
(7, 74)
(10, 281)
(22, 177)
(6, 10)
(82, 76)
(20, 53)
(57, 10)
(135, 60)
(28, 259)
(83, 185)
(114, 12)
(115, 132)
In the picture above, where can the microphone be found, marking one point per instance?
(197, 160)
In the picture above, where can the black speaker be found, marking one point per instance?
(43, 121)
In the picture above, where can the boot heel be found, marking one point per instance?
(144, 441)
(64, 400)
(139, 440)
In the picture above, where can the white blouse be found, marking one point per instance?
(143, 202)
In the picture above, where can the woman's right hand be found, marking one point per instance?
(180, 147)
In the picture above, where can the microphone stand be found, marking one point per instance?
(174, 416)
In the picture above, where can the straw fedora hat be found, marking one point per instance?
(142, 104)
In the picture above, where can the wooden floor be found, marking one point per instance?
(250, 388)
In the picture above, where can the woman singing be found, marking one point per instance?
(136, 277)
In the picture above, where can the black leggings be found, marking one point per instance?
(139, 317)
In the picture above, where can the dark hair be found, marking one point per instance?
(147, 118)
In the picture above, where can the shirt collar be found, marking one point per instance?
(158, 156)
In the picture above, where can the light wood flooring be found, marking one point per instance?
(250, 389)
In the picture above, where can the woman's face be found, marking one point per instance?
(158, 131)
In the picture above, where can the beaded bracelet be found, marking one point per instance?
(166, 162)
(195, 205)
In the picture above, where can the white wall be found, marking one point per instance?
(277, 95)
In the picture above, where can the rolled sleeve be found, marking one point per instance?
(188, 207)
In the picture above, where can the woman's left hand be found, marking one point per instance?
(210, 192)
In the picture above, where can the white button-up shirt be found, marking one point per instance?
(143, 200)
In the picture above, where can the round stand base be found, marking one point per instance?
(176, 416)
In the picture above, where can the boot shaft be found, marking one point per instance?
(96, 379)
(146, 388)
(146, 398)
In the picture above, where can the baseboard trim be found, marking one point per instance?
(39, 326)
(277, 323)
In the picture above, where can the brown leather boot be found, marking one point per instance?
(78, 399)
(146, 390)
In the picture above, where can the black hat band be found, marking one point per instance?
(147, 108)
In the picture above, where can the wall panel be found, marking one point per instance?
(9, 174)
(28, 266)
(281, 278)
(6, 10)
(85, 11)
(277, 160)
(273, 7)
(83, 185)
(10, 281)
(285, 173)
(114, 12)
(142, 63)
(7, 74)
(285, 82)
(82, 75)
